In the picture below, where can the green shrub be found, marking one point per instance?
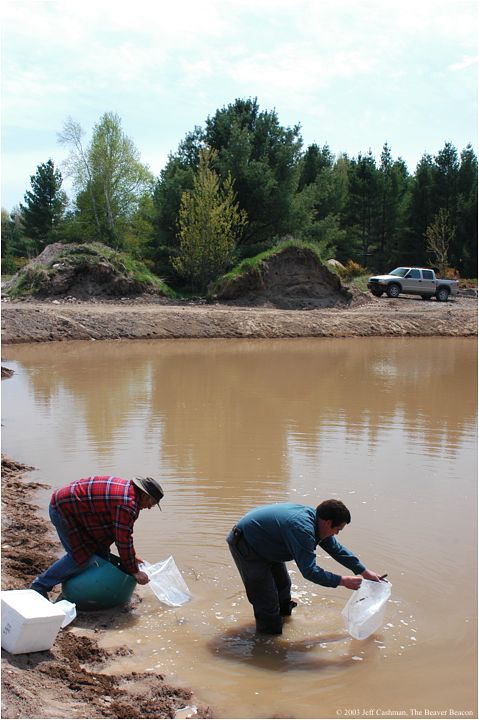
(361, 282)
(9, 266)
(350, 270)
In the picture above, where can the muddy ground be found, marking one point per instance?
(67, 681)
(70, 319)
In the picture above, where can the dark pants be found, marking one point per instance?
(268, 585)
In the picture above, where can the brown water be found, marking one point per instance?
(387, 425)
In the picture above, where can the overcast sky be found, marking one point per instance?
(353, 73)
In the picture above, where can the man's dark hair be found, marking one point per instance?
(334, 510)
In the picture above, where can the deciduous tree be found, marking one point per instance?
(209, 226)
(108, 176)
(14, 243)
(439, 236)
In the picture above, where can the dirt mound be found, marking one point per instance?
(293, 278)
(82, 271)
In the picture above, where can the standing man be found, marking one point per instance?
(91, 514)
(270, 535)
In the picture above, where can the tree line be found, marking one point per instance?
(239, 185)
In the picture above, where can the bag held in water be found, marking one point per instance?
(364, 611)
(167, 582)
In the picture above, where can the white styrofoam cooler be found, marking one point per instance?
(30, 622)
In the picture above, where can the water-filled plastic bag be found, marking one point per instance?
(364, 611)
(167, 582)
(102, 585)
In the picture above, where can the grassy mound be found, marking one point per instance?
(84, 271)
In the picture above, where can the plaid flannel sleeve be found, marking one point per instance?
(123, 527)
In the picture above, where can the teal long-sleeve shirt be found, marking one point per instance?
(286, 531)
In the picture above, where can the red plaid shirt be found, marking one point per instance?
(100, 511)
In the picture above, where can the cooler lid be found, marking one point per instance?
(31, 605)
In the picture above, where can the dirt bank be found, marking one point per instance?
(66, 681)
(73, 320)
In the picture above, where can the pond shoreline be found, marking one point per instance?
(30, 322)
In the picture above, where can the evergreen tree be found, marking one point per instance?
(324, 188)
(263, 158)
(259, 154)
(422, 209)
(363, 208)
(445, 178)
(393, 187)
(44, 206)
(314, 160)
(465, 246)
(175, 178)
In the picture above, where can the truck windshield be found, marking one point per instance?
(399, 272)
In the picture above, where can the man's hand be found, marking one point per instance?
(352, 582)
(369, 575)
(141, 577)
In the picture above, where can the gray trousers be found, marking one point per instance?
(267, 584)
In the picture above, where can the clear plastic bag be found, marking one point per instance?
(364, 611)
(167, 582)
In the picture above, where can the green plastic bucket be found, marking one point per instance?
(101, 586)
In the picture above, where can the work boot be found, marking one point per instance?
(287, 608)
(40, 590)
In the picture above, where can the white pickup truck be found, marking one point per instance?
(413, 281)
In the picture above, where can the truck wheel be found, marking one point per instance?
(377, 293)
(442, 294)
(393, 290)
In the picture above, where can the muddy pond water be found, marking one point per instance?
(387, 425)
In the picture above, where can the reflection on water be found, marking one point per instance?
(246, 646)
(388, 425)
(202, 400)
